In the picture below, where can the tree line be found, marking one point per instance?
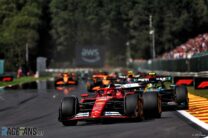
(53, 28)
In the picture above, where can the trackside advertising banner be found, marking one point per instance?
(6, 78)
(201, 83)
(188, 81)
(89, 56)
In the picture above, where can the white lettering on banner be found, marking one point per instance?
(90, 55)
(90, 52)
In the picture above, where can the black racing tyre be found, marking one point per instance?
(185, 105)
(134, 106)
(181, 94)
(152, 104)
(69, 107)
(182, 97)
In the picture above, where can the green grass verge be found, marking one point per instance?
(22, 80)
(202, 93)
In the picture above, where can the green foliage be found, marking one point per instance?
(58, 26)
(22, 80)
(19, 26)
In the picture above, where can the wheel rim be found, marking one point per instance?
(159, 105)
(139, 110)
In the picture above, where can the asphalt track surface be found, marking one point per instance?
(39, 108)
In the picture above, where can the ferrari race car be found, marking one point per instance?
(110, 103)
(66, 79)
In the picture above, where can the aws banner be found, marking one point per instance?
(89, 56)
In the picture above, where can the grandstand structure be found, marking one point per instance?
(194, 47)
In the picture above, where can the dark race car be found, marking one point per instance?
(66, 79)
(109, 103)
(172, 96)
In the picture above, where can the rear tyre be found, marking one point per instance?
(69, 108)
(182, 97)
(152, 105)
(134, 107)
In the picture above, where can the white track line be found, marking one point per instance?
(194, 119)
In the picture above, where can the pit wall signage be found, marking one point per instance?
(89, 56)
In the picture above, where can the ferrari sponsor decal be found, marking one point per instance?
(112, 113)
(85, 114)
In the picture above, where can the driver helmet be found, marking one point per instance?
(130, 74)
(149, 85)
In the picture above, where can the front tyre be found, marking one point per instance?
(181, 94)
(69, 107)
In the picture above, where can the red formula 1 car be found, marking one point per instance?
(109, 103)
(66, 79)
